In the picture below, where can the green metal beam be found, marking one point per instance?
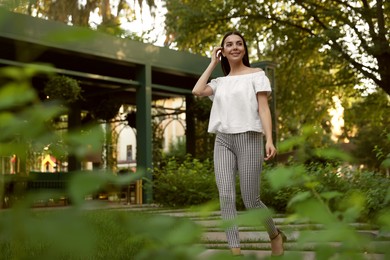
(92, 76)
(172, 89)
(53, 34)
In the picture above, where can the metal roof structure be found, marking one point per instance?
(108, 61)
(128, 71)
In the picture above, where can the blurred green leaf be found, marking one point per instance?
(289, 144)
(125, 179)
(353, 205)
(254, 217)
(32, 69)
(71, 36)
(333, 154)
(84, 142)
(315, 211)
(184, 232)
(330, 194)
(206, 209)
(300, 197)
(24, 74)
(312, 184)
(9, 148)
(285, 176)
(66, 233)
(30, 124)
(16, 94)
(384, 220)
(83, 184)
(387, 198)
(386, 163)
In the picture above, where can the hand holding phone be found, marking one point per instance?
(217, 53)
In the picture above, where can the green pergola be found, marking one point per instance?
(130, 72)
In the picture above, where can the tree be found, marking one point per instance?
(368, 127)
(355, 32)
(80, 13)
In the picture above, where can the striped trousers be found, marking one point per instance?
(242, 153)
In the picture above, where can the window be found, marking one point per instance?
(129, 153)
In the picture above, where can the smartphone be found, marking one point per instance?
(219, 54)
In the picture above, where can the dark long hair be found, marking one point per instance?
(224, 61)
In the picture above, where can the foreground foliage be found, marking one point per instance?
(95, 234)
(78, 232)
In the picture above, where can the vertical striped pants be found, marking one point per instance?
(243, 152)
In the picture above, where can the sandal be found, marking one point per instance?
(236, 251)
(284, 239)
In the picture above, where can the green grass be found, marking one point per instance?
(99, 234)
(75, 233)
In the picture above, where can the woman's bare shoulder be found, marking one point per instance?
(255, 69)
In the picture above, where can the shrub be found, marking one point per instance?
(63, 88)
(276, 200)
(344, 180)
(192, 182)
(374, 187)
(183, 184)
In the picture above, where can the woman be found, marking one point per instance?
(240, 117)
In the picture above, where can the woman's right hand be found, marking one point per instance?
(216, 54)
(201, 88)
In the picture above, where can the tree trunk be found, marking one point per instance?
(384, 72)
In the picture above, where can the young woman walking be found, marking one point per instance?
(241, 119)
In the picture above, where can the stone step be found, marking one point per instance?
(257, 244)
(370, 247)
(254, 236)
(291, 235)
(255, 241)
(218, 222)
(257, 254)
(264, 254)
(280, 222)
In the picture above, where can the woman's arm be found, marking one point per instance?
(201, 88)
(266, 121)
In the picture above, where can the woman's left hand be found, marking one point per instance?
(270, 151)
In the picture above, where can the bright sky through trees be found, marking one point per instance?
(146, 22)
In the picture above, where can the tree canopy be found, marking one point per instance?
(355, 32)
(323, 50)
(308, 75)
(367, 122)
(109, 14)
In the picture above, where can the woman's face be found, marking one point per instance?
(233, 48)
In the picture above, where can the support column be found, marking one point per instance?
(144, 129)
(74, 121)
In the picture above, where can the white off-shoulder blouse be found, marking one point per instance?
(235, 107)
